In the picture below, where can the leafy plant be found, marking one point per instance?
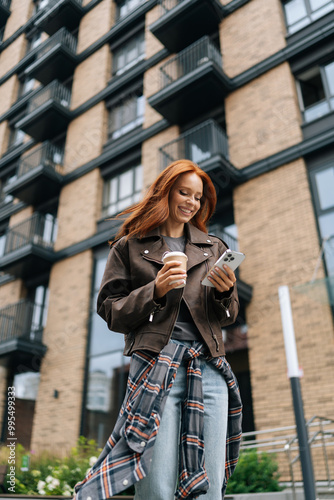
(51, 475)
(255, 473)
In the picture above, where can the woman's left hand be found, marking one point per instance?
(221, 281)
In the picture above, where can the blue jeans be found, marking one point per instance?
(161, 482)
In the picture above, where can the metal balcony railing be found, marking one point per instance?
(62, 37)
(189, 60)
(197, 144)
(55, 91)
(39, 230)
(47, 155)
(18, 321)
(167, 5)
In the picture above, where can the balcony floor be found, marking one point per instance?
(46, 121)
(187, 22)
(207, 86)
(27, 261)
(39, 184)
(58, 63)
(65, 13)
(23, 353)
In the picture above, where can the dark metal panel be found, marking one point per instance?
(46, 121)
(186, 22)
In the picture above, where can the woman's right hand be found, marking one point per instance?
(171, 271)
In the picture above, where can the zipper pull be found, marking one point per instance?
(228, 313)
(151, 317)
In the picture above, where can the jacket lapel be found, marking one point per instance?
(198, 246)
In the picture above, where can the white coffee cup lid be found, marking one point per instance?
(175, 254)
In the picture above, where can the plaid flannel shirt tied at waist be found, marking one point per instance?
(127, 454)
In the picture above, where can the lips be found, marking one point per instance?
(185, 211)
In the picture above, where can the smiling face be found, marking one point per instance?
(185, 198)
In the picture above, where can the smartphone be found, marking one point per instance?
(231, 258)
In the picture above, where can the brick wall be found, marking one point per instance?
(85, 137)
(277, 232)
(95, 24)
(12, 54)
(150, 154)
(57, 420)
(246, 39)
(79, 209)
(20, 12)
(91, 76)
(263, 117)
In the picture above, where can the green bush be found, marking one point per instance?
(255, 473)
(50, 475)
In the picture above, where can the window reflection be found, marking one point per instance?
(107, 370)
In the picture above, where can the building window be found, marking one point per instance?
(126, 115)
(122, 191)
(316, 91)
(323, 189)
(39, 297)
(300, 13)
(16, 137)
(129, 54)
(107, 369)
(26, 86)
(4, 181)
(34, 41)
(124, 7)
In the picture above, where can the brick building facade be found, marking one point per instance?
(96, 97)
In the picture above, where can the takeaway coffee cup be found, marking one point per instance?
(181, 257)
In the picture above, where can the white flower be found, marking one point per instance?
(55, 482)
(49, 479)
(35, 473)
(50, 487)
(92, 461)
(67, 493)
(41, 492)
(40, 485)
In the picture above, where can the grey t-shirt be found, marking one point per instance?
(185, 328)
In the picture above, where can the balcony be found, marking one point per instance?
(59, 13)
(206, 145)
(27, 248)
(21, 334)
(48, 112)
(184, 21)
(4, 11)
(191, 83)
(56, 58)
(39, 175)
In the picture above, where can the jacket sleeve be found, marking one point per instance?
(121, 305)
(226, 304)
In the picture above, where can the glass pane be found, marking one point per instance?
(99, 271)
(126, 184)
(316, 4)
(329, 70)
(326, 223)
(312, 88)
(2, 244)
(26, 385)
(294, 11)
(105, 392)
(139, 178)
(325, 187)
(141, 105)
(322, 12)
(316, 111)
(131, 51)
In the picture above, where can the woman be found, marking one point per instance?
(180, 385)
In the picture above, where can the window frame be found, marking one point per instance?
(123, 46)
(135, 194)
(309, 14)
(328, 97)
(119, 103)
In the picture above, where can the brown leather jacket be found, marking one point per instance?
(125, 300)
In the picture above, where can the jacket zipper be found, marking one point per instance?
(206, 312)
(175, 318)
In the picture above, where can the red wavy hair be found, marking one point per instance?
(153, 210)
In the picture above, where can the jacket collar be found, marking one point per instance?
(153, 250)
